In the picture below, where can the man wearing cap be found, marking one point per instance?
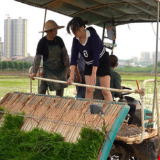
(55, 59)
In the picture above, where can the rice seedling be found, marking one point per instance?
(40, 145)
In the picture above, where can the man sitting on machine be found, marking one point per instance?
(114, 83)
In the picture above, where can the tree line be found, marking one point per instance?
(15, 65)
(21, 65)
(150, 68)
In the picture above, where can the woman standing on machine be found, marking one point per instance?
(97, 62)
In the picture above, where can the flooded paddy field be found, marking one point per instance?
(20, 83)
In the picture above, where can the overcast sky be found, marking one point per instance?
(131, 39)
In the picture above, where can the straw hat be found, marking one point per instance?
(50, 24)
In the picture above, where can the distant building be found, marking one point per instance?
(153, 57)
(135, 59)
(1, 47)
(15, 37)
(145, 58)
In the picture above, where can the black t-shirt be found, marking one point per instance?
(42, 47)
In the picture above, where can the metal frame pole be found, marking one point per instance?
(157, 107)
(104, 25)
(113, 41)
(30, 80)
(155, 85)
(42, 37)
(44, 21)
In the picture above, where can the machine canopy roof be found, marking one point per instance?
(99, 11)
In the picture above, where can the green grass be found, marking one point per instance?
(40, 145)
(139, 77)
(21, 84)
(14, 77)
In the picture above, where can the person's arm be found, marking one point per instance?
(74, 52)
(66, 59)
(74, 57)
(96, 48)
(117, 85)
(37, 58)
(93, 76)
(78, 76)
(71, 78)
(96, 51)
(65, 56)
(36, 63)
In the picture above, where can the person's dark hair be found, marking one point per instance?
(77, 23)
(114, 60)
(91, 29)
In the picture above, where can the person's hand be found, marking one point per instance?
(93, 79)
(70, 79)
(68, 71)
(32, 76)
(123, 87)
(78, 79)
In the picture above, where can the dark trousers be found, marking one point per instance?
(81, 90)
(131, 112)
(44, 85)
